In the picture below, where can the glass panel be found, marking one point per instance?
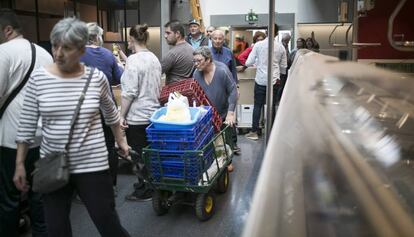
(86, 10)
(53, 7)
(47, 25)
(28, 5)
(28, 24)
(111, 17)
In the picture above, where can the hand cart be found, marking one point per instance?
(191, 176)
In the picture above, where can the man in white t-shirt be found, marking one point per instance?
(15, 60)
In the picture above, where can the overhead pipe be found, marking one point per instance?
(354, 44)
(407, 46)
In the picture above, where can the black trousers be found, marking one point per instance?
(283, 79)
(95, 190)
(137, 139)
(10, 197)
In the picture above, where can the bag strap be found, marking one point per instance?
(81, 98)
(21, 85)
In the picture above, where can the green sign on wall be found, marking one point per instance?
(251, 16)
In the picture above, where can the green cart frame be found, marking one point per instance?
(170, 191)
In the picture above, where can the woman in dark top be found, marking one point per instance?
(103, 59)
(218, 85)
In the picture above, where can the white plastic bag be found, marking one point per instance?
(177, 109)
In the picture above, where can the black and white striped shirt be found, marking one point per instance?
(55, 99)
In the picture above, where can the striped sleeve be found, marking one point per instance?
(29, 115)
(107, 105)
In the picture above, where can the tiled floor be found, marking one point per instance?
(232, 208)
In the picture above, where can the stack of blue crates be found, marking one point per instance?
(175, 148)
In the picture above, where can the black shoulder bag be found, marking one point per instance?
(21, 85)
(52, 171)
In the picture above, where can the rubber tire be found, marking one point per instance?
(223, 182)
(205, 206)
(158, 202)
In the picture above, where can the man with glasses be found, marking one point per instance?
(195, 37)
(178, 63)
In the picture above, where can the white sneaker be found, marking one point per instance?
(252, 136)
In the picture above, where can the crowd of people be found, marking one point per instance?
(38, 119)
(39, 93)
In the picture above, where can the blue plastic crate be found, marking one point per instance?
(204, 135)
(182, 134)
(194, 112)
(189, 157)
(190, 174)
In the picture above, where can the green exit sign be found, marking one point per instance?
(251, 16)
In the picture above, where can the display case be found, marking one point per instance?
(339, 161)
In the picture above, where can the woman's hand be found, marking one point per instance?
(124, 123)
(124, 149)
(19, 178)
(230, 119)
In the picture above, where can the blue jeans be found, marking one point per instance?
(259, 102)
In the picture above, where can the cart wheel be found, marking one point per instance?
(159, 202)
(223, 182)
(204, 207)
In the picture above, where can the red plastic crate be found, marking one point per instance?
(187, 87)
(193, 91)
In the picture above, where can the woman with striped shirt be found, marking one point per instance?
(53, 93)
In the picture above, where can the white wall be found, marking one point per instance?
(306, 11)
(229, 7)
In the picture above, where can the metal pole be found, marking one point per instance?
(269, 89)
(138, 12)
(355, 30)
(97, 13)
(37, 21)
(124, 31)
(75, 13)
(165, 17)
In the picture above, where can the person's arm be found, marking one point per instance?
(167, 62)
(116, 72)
(244, 55)
(231, 91)
(120, 139)
(125, 105)
(276, 63)
(26, 133)
(111, 115)
(283, 60)
(19, 179)
(130, 88)
(251, 59)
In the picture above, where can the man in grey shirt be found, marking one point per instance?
(178, 63)
(218, 85)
